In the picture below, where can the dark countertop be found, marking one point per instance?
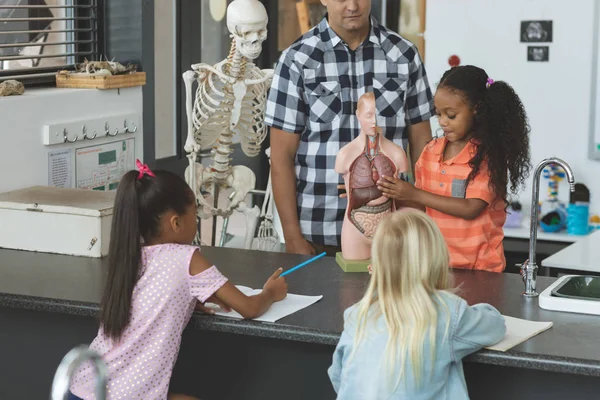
(73, 285)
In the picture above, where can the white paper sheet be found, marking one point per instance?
(291, 304)
(518, 331)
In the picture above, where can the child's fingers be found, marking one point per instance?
(202, 308)
(387, 192)
(276, 273)
(384, 184)
(389, 178)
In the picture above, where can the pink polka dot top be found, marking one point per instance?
(141, 362)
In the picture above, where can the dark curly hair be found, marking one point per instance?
(500, 127)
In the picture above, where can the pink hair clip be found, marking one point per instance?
(143, 170)
(489, 83)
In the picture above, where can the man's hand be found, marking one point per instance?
(299, 246)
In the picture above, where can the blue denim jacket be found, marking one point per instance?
(363, 376)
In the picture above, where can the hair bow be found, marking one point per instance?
(489, 83)
(143, 170)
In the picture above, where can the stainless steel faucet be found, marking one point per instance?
(68, 366)
(529, 267)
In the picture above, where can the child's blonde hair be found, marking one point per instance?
(410, 267)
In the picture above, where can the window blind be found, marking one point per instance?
(40, 37)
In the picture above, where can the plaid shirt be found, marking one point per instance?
(317, 83)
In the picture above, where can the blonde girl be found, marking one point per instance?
(408, 335)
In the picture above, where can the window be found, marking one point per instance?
(40, 37)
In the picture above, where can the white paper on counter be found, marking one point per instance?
(519, 330)
(291, 304)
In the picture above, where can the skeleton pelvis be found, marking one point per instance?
(241, 180)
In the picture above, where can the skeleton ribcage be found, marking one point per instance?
(213, 106)
(251, 128)
(212, 109)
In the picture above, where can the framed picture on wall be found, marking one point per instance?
(536, 31)
(538, 53)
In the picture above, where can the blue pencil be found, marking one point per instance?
(303, 264)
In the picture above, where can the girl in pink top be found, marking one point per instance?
(155, 280)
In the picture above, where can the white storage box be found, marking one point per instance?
(56, 220)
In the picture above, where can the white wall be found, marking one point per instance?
(556, 94)
(23, 156)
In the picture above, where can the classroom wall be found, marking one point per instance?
(556, 94)
(23, 156)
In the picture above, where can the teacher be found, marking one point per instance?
(311, 110)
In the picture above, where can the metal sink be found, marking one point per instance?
(573, 293)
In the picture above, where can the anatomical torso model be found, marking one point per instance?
(362, 162)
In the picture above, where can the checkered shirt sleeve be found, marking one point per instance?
(286, 109)
(419, 99)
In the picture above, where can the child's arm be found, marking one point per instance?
(275, 289)
(405, 203)
(477, 326)
(340, 355)
(398, 190)
(412, 204)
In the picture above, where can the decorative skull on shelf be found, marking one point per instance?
(247, 21)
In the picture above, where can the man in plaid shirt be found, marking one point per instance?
(311, 110)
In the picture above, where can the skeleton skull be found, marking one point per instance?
(247, 21)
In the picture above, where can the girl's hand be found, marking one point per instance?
(207, 310)
(344, 193)
(276, 286)
(394, 188)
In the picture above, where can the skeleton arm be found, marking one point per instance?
(190, 142)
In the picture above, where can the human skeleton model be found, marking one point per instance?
(362, 162)
(230, 100)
